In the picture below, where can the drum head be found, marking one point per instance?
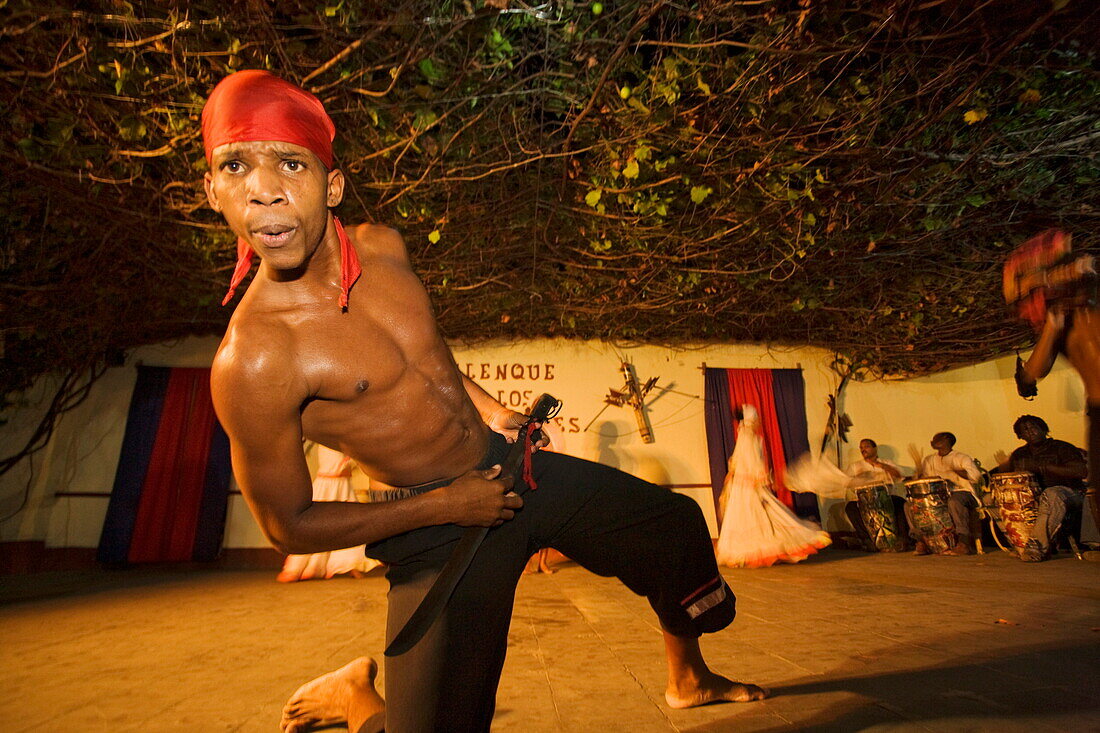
(925, 486)
(873, 488)
(1016, 479)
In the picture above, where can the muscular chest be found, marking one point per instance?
(354, 357)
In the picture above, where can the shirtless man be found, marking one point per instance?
(356, 362)
(1076, 334)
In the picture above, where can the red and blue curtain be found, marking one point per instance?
(779, 395)
(171, 488)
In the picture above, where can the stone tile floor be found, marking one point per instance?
(846, 642)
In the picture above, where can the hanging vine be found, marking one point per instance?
(846, 175)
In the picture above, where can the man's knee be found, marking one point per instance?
(962, 500)
(1055, 498)
(684, 506)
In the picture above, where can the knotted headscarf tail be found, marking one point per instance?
(256, 105)
(349, 265)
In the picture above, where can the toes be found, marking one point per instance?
(757, 693)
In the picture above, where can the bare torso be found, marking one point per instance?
(377, 381)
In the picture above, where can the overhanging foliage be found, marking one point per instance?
(845, 175)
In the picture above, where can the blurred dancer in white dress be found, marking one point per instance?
(333, 483)
(757, 529)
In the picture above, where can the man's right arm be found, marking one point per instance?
(1039, 364)
(258, 405)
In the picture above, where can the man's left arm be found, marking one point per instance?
(1068, 463)
(890, 468)
(966, 468)
(499, 418)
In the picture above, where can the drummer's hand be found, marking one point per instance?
(1000, 457)
(1056, 318)
(917, 457)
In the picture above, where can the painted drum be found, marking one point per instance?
(929, 515)
(877, 511)
(1017, 498)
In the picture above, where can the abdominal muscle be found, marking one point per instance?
(411, 434)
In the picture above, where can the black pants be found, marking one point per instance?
(612, 523)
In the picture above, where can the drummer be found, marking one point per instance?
(872, 469)
(960, 471)
(1060, 468)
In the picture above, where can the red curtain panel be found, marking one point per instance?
(754, 387)
(172, 492)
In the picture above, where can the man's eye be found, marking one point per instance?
(232, 166)
(293, 165)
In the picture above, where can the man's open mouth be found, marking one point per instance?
(274, 235)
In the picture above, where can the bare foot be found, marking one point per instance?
(334, 697)
(711, 688)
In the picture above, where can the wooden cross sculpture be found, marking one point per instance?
(633, 394)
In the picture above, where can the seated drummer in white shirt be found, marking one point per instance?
(960, 471)
(872, 469)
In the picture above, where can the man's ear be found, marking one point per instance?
(335, 187)
(211, 197)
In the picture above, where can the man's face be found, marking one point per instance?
(868, 450)
(1031, 432)
(274, 195)
(941, 445)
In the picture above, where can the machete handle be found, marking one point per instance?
(545, 407)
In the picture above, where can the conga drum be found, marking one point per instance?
(929, 515)
(877, 511)
(1017, 498)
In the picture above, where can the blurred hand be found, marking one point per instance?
(1056, 318)
(917, 456)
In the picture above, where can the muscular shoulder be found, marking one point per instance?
(255, 369)
(381, 242)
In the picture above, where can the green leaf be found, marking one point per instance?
(423, 119)
(593, 197)
(631, 170)
(430, 71)
(435, 236)
(700, 193)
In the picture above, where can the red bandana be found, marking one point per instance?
(257, 105)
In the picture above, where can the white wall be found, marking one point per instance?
(977, 403)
